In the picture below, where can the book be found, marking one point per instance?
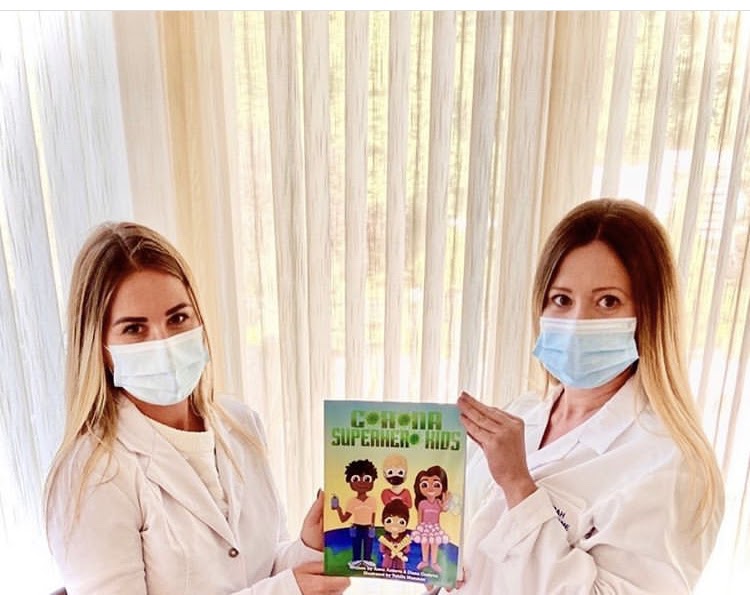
(394, 481)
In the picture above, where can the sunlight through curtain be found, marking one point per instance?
(435, 170)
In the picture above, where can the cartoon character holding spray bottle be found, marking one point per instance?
(360, 475)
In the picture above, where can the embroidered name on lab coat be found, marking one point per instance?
(561, 518)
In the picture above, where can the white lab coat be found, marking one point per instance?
(154, 527)
(612, 512)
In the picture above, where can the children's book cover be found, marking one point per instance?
(394, 479)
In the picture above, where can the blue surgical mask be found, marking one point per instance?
(161, 372)
(586, 353)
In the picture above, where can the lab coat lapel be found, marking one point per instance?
(168, 469)
(231, 481)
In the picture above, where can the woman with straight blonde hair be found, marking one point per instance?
(609, 484)
(158, 487)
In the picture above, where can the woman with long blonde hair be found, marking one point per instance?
(158, 487)
(608, 485)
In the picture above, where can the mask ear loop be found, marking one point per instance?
(109, 372)
(193, 408)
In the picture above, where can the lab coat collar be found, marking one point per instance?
(597, 433)
(168, 469)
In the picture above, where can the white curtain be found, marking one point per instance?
(363, 196)
(63, 168)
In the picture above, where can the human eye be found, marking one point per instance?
(134, 328)
(424, 485)
(560, 300)
(355, 478)
(402, 522)
(178, 318)
(608, 302)
(366, 478)
(437, 485)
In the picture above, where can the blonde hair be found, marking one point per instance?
(395, 460)
(642, 245)
(111, 253)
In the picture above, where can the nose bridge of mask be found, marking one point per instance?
(588, 326)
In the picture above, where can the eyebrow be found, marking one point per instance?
(176, 308)
(131, 319)
(595, 290)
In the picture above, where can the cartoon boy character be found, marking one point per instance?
(431, 499)
(394, 543)
(394, 469)
(360, 475)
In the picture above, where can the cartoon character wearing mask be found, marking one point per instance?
(395, 469)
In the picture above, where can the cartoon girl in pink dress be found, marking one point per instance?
(431, 498)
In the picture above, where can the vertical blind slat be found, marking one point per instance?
(575, 99)
(27, 290)
(145, 118)
(290, 225)
(661, 111)
(195, 95)
(483, 114)
(527, 123)
(620, 102)
(494, 247)
(457, 201)
(31, 286)
(63, 130)
(419, 130)
(315, 70)
(699, 149)
(739, 155)
(226, 189)
(261, 356)
(726, 241)
(97, 89)
(395, 246)
(216, 111)
(441, 114)
(357, 24)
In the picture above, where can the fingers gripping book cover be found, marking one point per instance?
(394, 479)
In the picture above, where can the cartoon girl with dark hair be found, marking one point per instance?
(431, 498)
(394, 543)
